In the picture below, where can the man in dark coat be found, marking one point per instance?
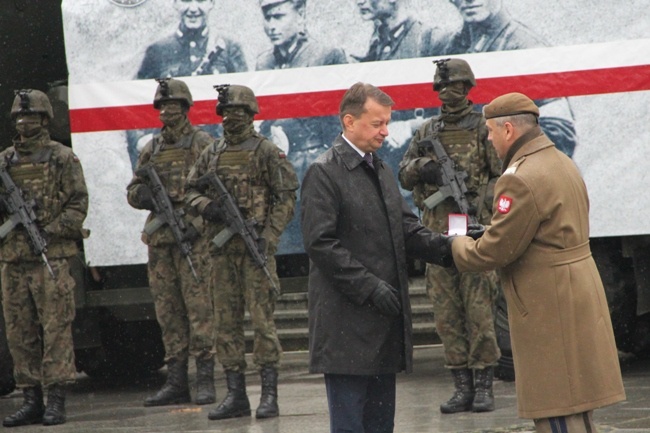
(357, 231)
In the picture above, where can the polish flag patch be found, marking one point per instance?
(504, 204)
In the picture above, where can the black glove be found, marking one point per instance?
(212, 212)
(191, 234)
(446, 257)
(385, 299)
(431, 173)
(475, 231)
(144, 196)
(263, 245)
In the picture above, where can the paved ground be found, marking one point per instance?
(117, 406)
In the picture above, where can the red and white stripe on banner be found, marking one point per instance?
(576, 70)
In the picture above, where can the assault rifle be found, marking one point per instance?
(235, 223)
(164, 212)
(22, 212)
(453, 181)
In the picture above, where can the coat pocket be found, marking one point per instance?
(512, 296)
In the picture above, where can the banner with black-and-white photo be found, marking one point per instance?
(587, 64)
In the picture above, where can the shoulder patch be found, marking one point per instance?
(282, 155)
(504, 204)
(75, 158)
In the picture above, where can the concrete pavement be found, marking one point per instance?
(117, 406)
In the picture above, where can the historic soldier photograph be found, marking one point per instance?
(285, 24)
(397, 34)
(43, 204)
(462, 302)
(194, 49)
(177, 268)
(243, 180)
(303, 139)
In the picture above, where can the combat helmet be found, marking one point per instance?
(236, 96)
(450, 70)
(30, 101)
(170, 89)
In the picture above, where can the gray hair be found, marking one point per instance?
(523, 121)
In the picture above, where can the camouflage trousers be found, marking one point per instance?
(183, 306)
(38, 312)
(237, 282)
(463, 311)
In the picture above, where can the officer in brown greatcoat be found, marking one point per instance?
(562, 339)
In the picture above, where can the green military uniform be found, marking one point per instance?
(39, 307)
(181, 294)
(49, 173)
(462, 302)
(262, 183)
(183, 305)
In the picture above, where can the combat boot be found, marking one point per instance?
(268, 407)
(176, 390)
(205, 393)
(236, 403)
(463, 396)
(31, 412)
(484, 398)
(55, 410)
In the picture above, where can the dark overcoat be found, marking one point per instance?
(358, 230)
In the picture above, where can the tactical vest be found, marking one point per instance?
(239, 170)
(36, 177)
(463, 145)
(173, 163)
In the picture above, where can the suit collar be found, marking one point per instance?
(349, 156)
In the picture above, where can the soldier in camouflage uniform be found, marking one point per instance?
(183, 304)
(263, 184)
(38, 307)
(462, 303)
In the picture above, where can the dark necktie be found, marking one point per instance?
(368, 158)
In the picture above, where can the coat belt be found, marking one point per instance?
(558, 257)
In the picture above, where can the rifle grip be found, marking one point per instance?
(153, 225)
(7, 227)
(434, 200)
(222, 237)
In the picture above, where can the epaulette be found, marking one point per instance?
(513, 168)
